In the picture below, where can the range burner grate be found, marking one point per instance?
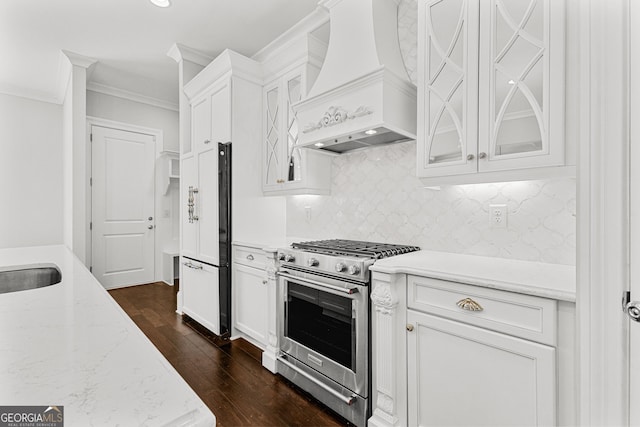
(341, 247)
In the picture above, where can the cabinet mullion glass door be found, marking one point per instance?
(517, 123)
(272, 138)
(294, 93)
(448, 49)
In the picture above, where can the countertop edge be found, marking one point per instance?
(485, 283)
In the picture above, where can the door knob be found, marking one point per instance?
(150, 218)
(150, 227)
(633, 310)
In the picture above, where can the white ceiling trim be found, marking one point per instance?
(179, 52)
(308, 24)
(131, 96)
(67, 61)
(31, 94)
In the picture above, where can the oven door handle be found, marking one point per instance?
(348, 291)
(346, 400)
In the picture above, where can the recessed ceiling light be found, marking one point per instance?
(319, 144)
(511, 82)
(161, 3)
(371, 132)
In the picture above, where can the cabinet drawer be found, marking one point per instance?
(515, 314)
(200, 288)
(252, 257)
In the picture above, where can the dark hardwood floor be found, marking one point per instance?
(229, 379)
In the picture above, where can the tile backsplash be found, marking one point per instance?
(377, 197)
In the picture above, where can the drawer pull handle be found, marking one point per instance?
(469, 304)
(250, 257)
(190, 265)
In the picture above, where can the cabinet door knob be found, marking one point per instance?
(207, 141)
(264, 282)
(250, 257)
(482, 155)
(409, 327)
(470, 157)
(469, 305)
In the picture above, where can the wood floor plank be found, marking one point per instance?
(229, 378)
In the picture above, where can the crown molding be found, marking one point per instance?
(66, 62)
(309, 23)
(131, 96)
(227, 63)
(26, 93)
(79, 60)
(179, 52)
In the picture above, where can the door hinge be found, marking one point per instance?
(626, 299)
(90, 269)
(91, 182)
(90, 137)
(91, 226)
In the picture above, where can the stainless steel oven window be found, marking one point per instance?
(323, 322)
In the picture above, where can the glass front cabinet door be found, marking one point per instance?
(491, 85)
(289, 169)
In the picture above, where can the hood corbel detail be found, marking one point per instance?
(336, 115)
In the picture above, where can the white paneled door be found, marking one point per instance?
(122, 205)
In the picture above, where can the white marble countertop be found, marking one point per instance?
(70, 344)
(532, 278)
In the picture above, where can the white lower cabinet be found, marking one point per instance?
(250, 294)
(447, 353)
(201, 299)
(462, 375)
(254, 299)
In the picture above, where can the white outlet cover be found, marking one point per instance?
(498, 216)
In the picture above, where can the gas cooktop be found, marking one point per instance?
(356, 248)
(337, 257)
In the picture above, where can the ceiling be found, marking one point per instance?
(130, 39)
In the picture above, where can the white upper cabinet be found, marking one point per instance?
(210, 124)
(287, 168)
(491, 89)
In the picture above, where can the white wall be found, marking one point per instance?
(134, 113)
(30, 172)
(127, 111)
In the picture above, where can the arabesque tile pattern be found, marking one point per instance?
(376, 196)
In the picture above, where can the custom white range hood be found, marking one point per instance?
(362, 96)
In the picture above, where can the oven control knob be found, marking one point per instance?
(312, 262)
(281, 257)
(340, 267)
(354, 270)
(289, 258)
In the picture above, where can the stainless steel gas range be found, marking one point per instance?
(324, 320)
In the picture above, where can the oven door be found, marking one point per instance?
(324, 324)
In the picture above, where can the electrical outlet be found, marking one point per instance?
(498, 216)
(307, 211)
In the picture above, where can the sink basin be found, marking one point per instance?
(24, 277)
